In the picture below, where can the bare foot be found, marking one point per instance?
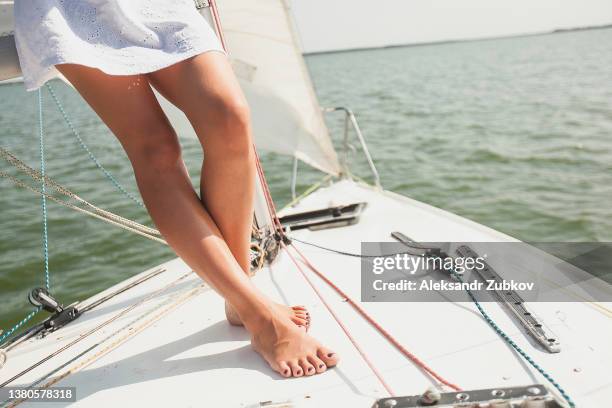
(297, 314)
(287, 349)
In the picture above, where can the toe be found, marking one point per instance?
(296, 370)
(283, 369)
(299, 307)
(318, 364)
(307, 367)
(299, 321)
(329, 357)
(300, 314)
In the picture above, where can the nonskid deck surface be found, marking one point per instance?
(175, 347)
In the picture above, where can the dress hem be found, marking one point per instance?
(51, 71)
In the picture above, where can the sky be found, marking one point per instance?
(326, 25)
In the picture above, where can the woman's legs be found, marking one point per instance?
(205, 89)
(129, 108)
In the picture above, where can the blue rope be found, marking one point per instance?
(89, 152)
(18, 325)
(45, 237)
(515, 346)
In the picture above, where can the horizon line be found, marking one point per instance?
(460, 40)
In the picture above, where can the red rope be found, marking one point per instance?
(217, 21)
(377, 326)
(267, 195)
(361, 311)
(262, 178)
(342, 326)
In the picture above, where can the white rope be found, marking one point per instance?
(96, 212)
(36, 175)
(85, 211)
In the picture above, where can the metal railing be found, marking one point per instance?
(350, 121)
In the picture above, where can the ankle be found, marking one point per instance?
(257, 314)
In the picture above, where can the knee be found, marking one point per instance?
(157, 148)
(229, 127)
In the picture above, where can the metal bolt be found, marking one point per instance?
(430, 397)
(534, 390)
(390, 403)
(462, 396)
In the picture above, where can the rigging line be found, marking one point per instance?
(171, 304)
(45, 236)
(13, 403)
(342, 326)
(82, 309)
(23, 336)
(487, 318)
(267, 195)
(36, 175)
(127, 336)
(119, 291)
(355, 255)
(23, 321)
(95, 329)
(217, 20)
(269, 201)
(515, 346)
(45, 240)
(262, 178)
(377, 325)
(84, 146)
(85, 211)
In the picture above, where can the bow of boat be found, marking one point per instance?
(164, 339)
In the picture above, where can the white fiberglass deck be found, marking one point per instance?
(175, 348)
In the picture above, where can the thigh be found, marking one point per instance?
(200, 86)
(126, 104)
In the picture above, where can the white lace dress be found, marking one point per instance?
(120, 37)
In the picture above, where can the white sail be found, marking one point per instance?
(266, 57)
(268, 62)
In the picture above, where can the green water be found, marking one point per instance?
(513, 133)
